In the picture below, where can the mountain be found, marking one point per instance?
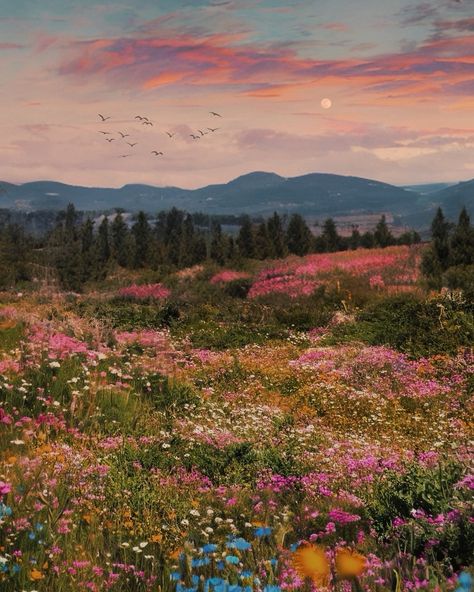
(453, 198)
(314, 194)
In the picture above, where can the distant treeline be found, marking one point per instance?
(77, 250)
(449, 260)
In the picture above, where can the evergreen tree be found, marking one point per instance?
(102, 251)
(355, 238)
(141, 232)
(276, 236)
(367, 240)
(440, 238)
(120, 240)
(15, 253)
(88, 266)
(187, 254)
(69, 260)
(330, 237)
(173, 235)
(436, 258)
(245, 240)
(298, 236)
(218, 245)
(70, 223)
(263, 247)
(382, 235)
(462, 241)
(87, 237)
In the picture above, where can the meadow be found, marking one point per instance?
(297, 424)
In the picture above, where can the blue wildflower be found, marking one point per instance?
(195, 580)
(175, 576)
(215, 581)
(16, 568)
(220, 565)
(270, 588)
(31, 536)
(465, 582)
(200, 562)
(246, 573)
(232, 559)
(262, 531)
(39, 527)
(240, 544)
(209, 548)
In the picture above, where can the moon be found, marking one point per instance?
(326, 103)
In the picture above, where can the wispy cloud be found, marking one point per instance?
(229, 61)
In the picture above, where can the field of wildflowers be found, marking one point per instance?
(188, 436)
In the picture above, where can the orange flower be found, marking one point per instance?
(310, 561)
(35, 574)
(349, 563)
(156, 538)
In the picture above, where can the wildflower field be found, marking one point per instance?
(301, 424)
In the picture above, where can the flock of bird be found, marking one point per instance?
(147, 122)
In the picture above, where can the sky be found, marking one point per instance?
(382, 89)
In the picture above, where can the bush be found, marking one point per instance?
(412, 325)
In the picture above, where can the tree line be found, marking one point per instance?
(79, 250)
(449, 260)
(174, 240)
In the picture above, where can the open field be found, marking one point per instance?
(296, 424)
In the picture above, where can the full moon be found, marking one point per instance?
(326, 103)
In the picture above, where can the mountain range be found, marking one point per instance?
(315, 195)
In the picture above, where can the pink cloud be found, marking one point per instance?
(226, 61)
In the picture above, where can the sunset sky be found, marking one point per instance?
(399, 76)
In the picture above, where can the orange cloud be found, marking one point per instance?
(162, 79)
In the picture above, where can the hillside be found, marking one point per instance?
(255, 193)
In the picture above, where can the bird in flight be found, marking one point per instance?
(213, 129)
(105, 133)
(124, 155)
(201, 132)
(215, 114)
(110, 139)
(194, 137)
(147, 123)
(124, 135)
(132, 145)
(156, 153)
(138, 117)
(170, 135)
(103, 118)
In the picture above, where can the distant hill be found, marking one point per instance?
(315, 195)
(453, 198)
(256, 192)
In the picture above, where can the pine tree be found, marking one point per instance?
(141, 232)
(218, 245)
(355, 238)
(436, 258)
(69, 260)
(330, 237)
(245, 239)
(462, 241)
(187, 255)
(173, 235)
(263, 247)
(276, 236)
(298, 236)
(102, 250)
(120, 240)
(382, 235)
(367, 240)
(440, 237)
